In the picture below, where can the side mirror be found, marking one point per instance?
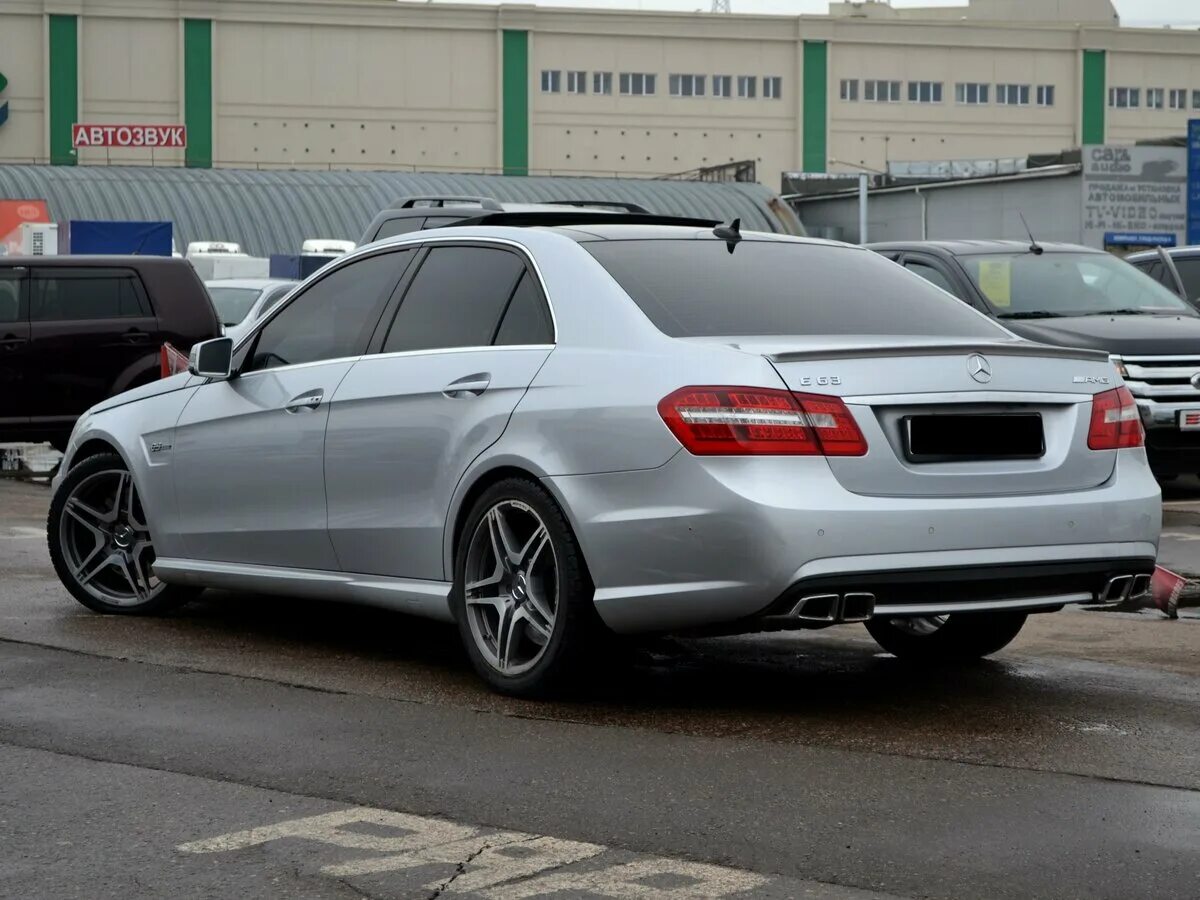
(212, 359)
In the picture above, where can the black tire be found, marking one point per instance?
(576, 632)
(963, 637)
(160, 597)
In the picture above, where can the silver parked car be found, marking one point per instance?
(551, 434)
(242, 301)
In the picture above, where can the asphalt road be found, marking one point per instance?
(268, 747)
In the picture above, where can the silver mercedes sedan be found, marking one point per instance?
(552, 435)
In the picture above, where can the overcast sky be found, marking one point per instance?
(1180, 13)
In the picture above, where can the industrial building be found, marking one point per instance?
(376, 84)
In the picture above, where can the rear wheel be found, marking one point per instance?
(100, 544)
(958, 637)
(522, 595)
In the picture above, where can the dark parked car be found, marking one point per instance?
(420, 213)
(1073, 296)
(77, 329)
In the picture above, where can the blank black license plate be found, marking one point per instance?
(952, 438)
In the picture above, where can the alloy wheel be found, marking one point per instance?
(105, 541)
(511, 587)
(920, 625)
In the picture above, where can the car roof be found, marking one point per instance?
(249, 283)
(969, 247)
(1185, 252)
(130, 261)
(590, 232)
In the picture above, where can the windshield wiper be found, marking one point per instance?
(1127, 311)
(1030, 314)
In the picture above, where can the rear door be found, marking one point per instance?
(89, 328)
(471, 330)
(16, 389)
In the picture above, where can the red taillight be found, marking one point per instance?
(1115, 421)
(740, 421)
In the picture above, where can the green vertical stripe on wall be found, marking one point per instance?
(64, 87)
(514, 123)
(816, 100)
(197, 92)
(1094, 97)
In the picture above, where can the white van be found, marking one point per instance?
(325, 247)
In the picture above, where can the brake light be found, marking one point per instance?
(1115, 421)
(745, 421)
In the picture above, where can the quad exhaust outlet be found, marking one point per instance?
(834, 608)
(1125, 587)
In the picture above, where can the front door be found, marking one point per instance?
(470, 334)
(90, 328)
(15, 387)
(248, 452)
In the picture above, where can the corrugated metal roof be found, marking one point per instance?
(273, 211)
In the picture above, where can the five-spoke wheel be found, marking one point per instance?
(522, 595)
(100, 543)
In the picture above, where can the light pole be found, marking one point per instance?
(862, 194)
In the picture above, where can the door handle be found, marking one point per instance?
(12, 342)
(135, 337)
(468, 386)
(307, 401)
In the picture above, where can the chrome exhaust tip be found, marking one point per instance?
(1117, 589)
(857, 607)
(817, 608)
(1141, 586)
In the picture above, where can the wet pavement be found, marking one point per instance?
(771, 765)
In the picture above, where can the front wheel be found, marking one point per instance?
(100, 544)
(522, 595)
(958, 637)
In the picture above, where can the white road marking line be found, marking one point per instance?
(499, 865)
(1181, 535)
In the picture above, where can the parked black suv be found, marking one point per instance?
(1186, 262)
(419, 213)
(1073, 296)
(77, 329)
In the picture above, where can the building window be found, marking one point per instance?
(1045, 95)
(971, 92)
(772, 87)
(577, 82)
(881, 91)
(686, 85)
(551, 81)
(1178, 98)
(637, 84)
(722, 85)
(1012, 94)
(1124, 97)
(1155, 98)
(747, 87)
(602, 82)
(924, 92)
(1195, 99)
(850, 89)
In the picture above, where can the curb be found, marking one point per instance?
(1181, 515)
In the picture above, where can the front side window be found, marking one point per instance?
(551, 81)
(1051, 285)
(747, 86)
(233, 304)
(12, 296)
(332, 318)
(602, 82)
(849, 90)
(924, 92)
(455, 299)
(1012, 94)
(697, 288)
(722, 85)
(972, 93)
(80, 294)
(577, 82)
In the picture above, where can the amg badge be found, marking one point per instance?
(1091, 379)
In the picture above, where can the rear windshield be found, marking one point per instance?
(697, 288)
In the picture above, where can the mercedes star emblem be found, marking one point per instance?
(979, 368)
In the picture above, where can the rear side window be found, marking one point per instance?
(455, 300)
(527, 320)
(1189, 271)
(393, 227)
(334, 318)
(697, 288)
(12, 296)
(930, 274)
(76, 294)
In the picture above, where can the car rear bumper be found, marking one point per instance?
(699, 543)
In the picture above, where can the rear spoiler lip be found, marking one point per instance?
(1024, 348)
